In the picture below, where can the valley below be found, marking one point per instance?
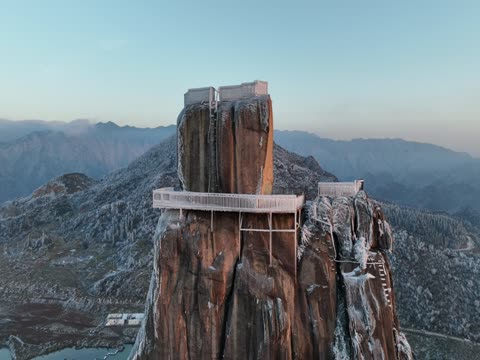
(45, 304)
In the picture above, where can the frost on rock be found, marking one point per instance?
(258, 189)
(386, 235)
(343, 219)
(360, 314)
(321, 212)
(180, 148)
(341, 346)
(361, 252)
(404, 351)
(364, 218)
(264, 114)
(305, 237)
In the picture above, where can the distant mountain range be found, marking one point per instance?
(13, 130)
(407, 173)
(33, 152)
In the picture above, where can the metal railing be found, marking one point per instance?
(335, 189)
(167, 198)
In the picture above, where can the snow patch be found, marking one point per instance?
(305, 237)
(312, 287)
(180, 148)
(404, 351)
(361, 252)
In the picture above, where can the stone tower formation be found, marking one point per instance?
(221, 290)
(225, 142)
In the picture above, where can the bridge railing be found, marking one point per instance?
(335, 189)
(167, 198)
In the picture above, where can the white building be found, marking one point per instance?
(125, 319)
(336, 189)
(199, 95)
(242, 91)
(209, 95)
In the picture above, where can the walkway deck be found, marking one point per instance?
(167, 198)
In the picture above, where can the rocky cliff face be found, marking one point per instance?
(211, 299)
(346, 303)
(214, 292)
(231, 155)
(80, 249)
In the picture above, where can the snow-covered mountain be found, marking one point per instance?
(405, 172)
(95, 150)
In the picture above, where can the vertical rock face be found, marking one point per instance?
(231, 154)
(343, 252)
(194, 158)
(216, 293)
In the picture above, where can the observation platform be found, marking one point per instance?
(168, 198)
(336, 189)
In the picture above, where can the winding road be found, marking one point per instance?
(425, 332)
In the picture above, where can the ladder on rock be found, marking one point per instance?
(383, 280)
(212, 134)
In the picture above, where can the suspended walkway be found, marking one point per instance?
(168, 198)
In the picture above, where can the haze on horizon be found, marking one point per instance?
(340, 69)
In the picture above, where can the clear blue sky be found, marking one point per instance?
(338, 68)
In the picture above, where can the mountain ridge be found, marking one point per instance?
(29, 161)
(409, 173)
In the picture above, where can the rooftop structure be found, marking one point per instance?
(124, 319)
(200, 95)
(244, 90)
(336, 189)
(225, 93)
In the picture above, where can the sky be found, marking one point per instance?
(341, 69)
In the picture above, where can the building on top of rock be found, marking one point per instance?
(226, 146)
(210, 95)
(242, 91)
(239, 273)
(225, 162)
(199, 95)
